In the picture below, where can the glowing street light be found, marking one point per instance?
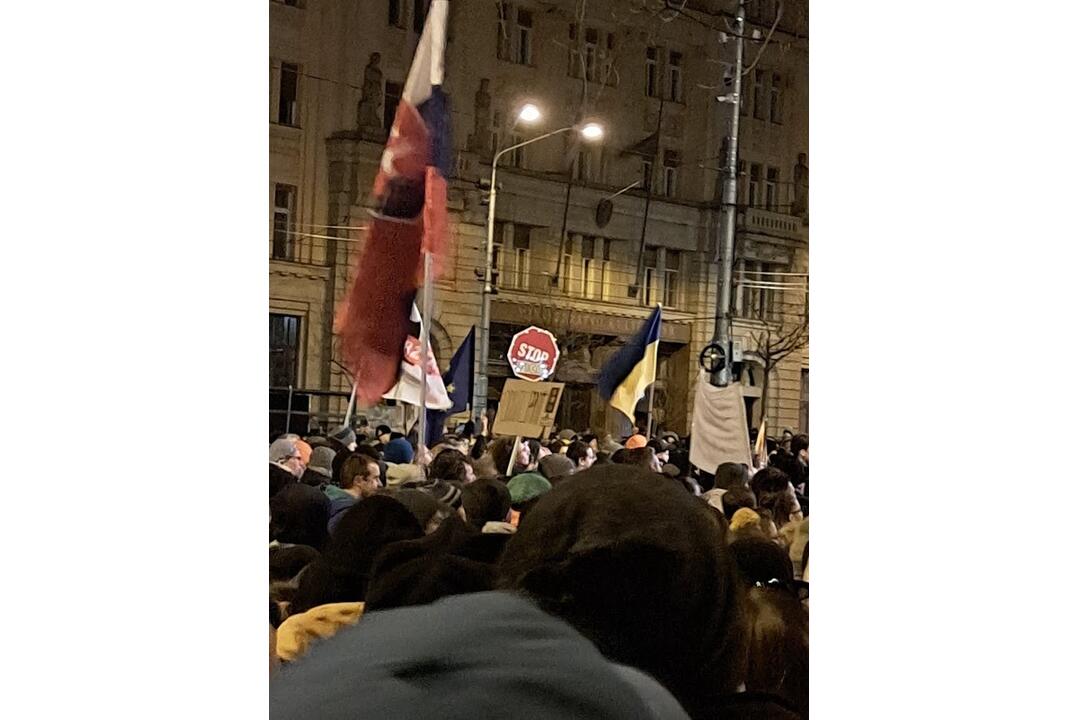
(592, 131)
(529, 113)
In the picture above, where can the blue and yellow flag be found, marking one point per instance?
(625, 377)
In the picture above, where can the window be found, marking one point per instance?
(652, 278)
(284, 349)
(775, 100)
(601, 268)
(573, 68)
(566, 270)
(588, 252)
(761, 88)
(675, 76)
(284, 221)
(753, 194)
(394, 14)
(671, 167)
(772, 178)
(583, 165)
(517, 155)
(502, 42)
(287, 109)
(419, 15)
(754, 299)
(391, 98)
(524, 37)
(520, 271)
(592, 43)
(651, 54)
(608, 74)
(646, 175)
(672, 260)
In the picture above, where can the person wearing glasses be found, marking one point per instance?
(284, 453)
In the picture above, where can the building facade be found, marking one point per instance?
(651, 78)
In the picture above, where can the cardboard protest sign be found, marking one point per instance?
(527, 408)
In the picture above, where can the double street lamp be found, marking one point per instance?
(527, 114)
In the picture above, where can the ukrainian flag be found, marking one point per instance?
(631, 370)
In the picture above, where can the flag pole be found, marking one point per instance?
(349, 408)
(425, 345)
(649, 426)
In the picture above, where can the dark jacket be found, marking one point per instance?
(483, 655)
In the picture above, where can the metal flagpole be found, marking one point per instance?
(288, 411)
(649, 426)
(352, 404)
(425, 344)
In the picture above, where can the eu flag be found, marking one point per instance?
(459, 386)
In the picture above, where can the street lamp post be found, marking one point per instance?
(529, 113)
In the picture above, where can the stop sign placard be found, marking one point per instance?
(533, 353)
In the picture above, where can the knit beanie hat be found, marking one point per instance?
(398, 451)
(556, 466)
(322, 460)
(344, 435)
(305, 451)
(636, 441)
(527, 486)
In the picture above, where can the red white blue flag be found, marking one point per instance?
(409, 219)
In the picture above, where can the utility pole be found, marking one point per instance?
(721, 374)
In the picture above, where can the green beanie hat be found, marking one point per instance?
(526, 486)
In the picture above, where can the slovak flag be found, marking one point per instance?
(409, 219)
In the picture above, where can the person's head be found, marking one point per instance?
(800, 447)
(398, 451)
(429, 512)
(556, 467)
(342, 573)
(344, 437)
(525, 487)
(732, 475)
(486, 500)
(382, 434)
(534, 449)
(298, 516)
(769, 480)
(662, 450)
(783, 505)
(581, 454)
(640, 568)
(636, 441)
(761, 561)
(360, 476)
(778, 661)
(642, 457)
(322, 463)
(284, 452)
(736, 498)
(503, 448)
(451, 466)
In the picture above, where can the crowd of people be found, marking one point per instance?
(575, 576)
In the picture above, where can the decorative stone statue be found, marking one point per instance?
(371, 96)
(481, 137)
(800, 204)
